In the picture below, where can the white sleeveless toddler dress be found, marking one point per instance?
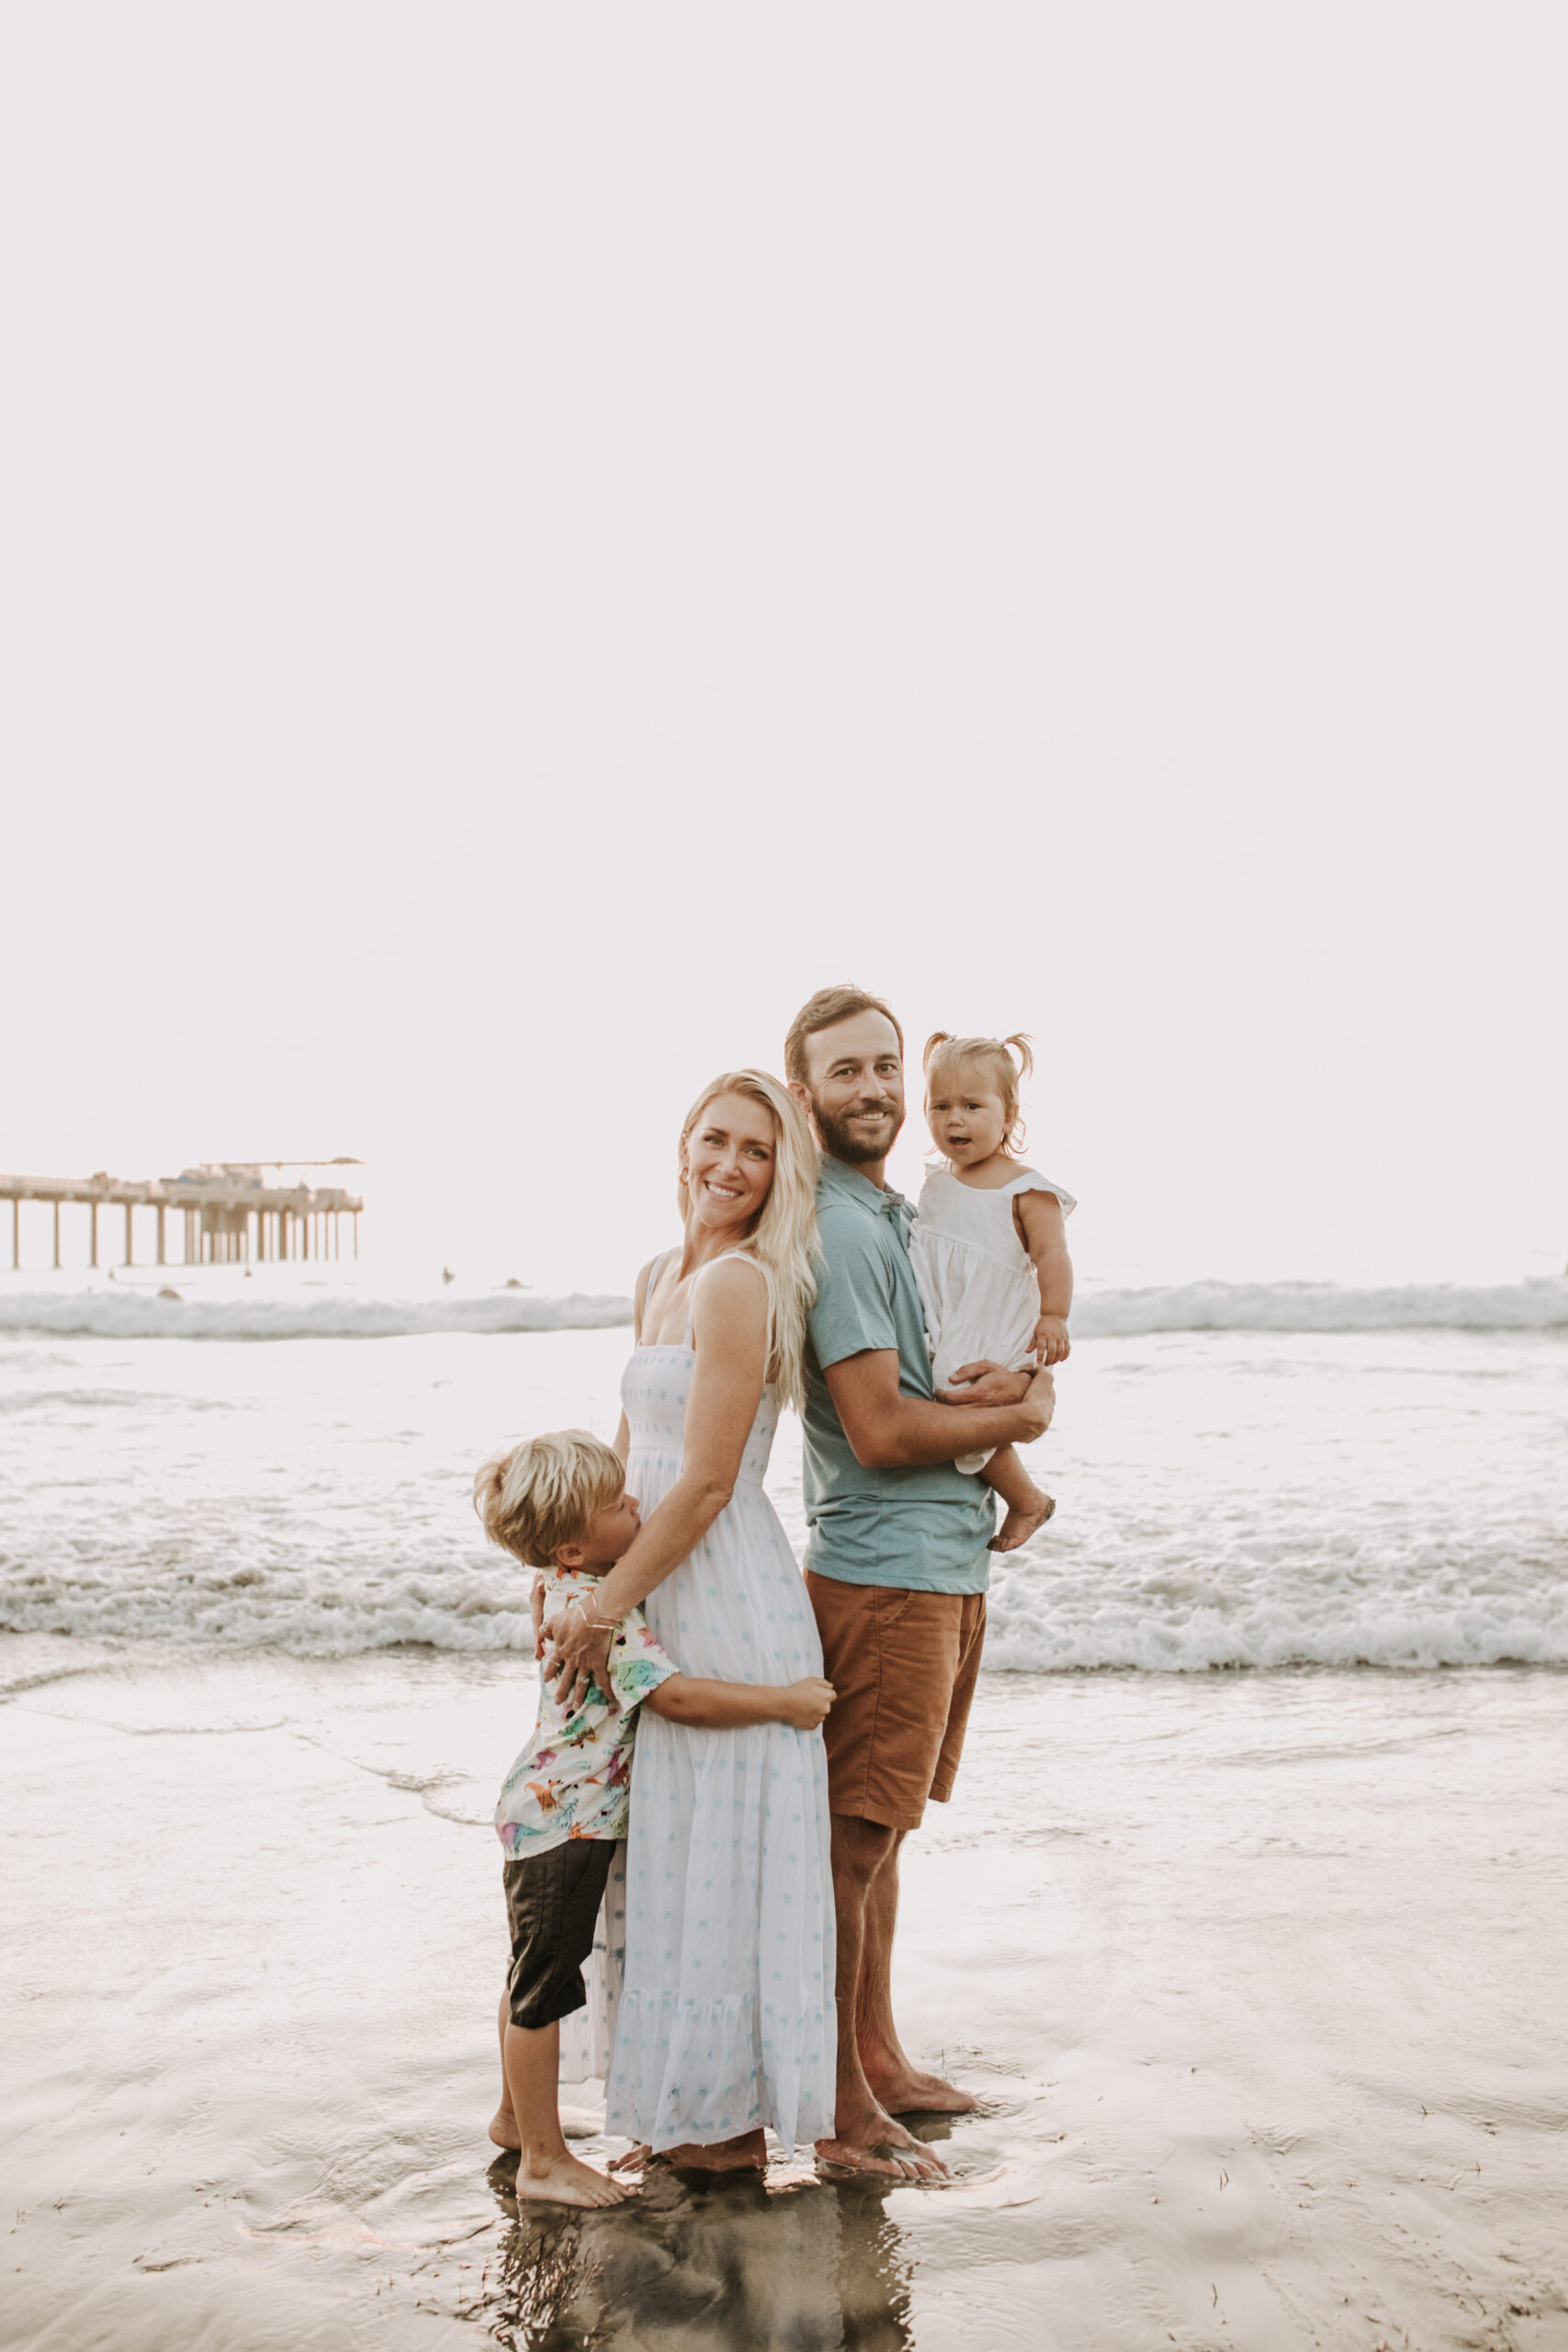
(727, 2017)
(977, 1286)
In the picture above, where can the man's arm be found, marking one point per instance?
(888, 1431)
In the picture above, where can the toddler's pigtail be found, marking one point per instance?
(938, 1037)
(1023, 1047)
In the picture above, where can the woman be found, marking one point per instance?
(726, 2022)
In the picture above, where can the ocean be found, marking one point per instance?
(1247, 1475)
(1247, 1970)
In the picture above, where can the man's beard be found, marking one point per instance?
(845, 1143)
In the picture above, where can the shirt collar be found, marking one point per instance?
(881, 1200)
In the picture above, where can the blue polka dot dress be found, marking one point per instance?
(727, 2016)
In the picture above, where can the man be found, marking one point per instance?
(897, 1563)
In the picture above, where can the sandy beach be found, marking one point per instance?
(1258, 1976)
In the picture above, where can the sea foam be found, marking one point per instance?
(143, 1313)
(1228, 1498)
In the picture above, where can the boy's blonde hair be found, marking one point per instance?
(945, 1054)
(784, 1241)
(544, 1492)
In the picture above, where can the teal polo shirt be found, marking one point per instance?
(921, 1530)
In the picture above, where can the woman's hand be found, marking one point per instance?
(580, 1653)
(807, 1702)
(1051, 1342)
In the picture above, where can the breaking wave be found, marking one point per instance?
(144, 1314)
(150, 1315)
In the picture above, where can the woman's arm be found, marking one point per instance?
(731, 1706)
(1043, 1228)
(730, 1324)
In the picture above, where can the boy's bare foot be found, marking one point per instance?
(876, 2143)
(910, 2092)
(562, 2180)
(503, 2128)
(1019, 1525)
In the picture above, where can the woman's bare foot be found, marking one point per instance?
(1019, 1525)
(636, 2159)
(562, 2180)
(747, 2153)
(910, 2092)
(503, 2128)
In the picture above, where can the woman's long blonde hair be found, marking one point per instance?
(783, 1240)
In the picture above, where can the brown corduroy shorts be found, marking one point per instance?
(904, 1666)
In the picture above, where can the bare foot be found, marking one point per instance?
(747, 2153)
(503, 2128)
(1019, 1525)
(562, 2180)
(876, 2143)
(910, 2092)
(634, 2159)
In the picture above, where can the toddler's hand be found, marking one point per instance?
(807, 1702)
(1051, 1342)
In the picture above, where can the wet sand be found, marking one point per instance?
(1258, 1978)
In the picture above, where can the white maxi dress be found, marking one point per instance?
(725, 2018)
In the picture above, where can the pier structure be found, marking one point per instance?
(229, 1213)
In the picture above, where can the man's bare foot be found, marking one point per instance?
(503, 2128)
(910, 2092)
(747, 2153)
(876, 2143)
(1019, 1525)
(562, 2180)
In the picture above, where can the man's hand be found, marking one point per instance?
(580, 1653)
(1051, 1342)
(985, 1383)
(536, 1610)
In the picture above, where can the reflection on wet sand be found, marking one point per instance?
(703, 2262)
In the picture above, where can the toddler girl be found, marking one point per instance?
(988, 1246)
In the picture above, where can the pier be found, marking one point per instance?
(230, 1214)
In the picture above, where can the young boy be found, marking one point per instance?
(559, 1503)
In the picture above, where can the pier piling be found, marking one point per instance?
(217, 1203)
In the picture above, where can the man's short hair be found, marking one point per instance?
(544, 1492)
(825, 1011)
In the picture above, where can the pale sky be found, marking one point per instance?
(532, 539)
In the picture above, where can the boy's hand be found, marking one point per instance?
(1051, 1342)
(806, 1703)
